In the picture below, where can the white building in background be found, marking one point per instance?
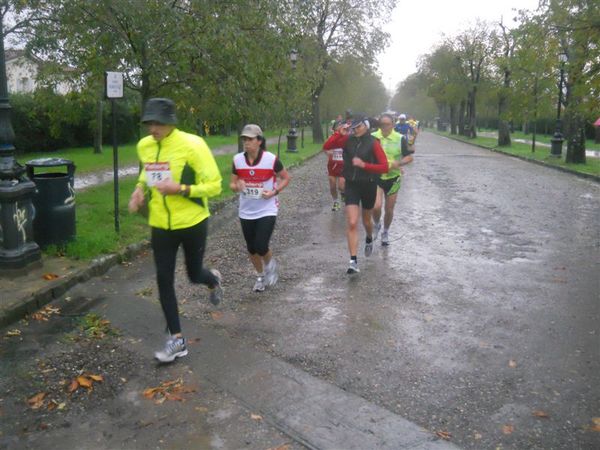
(22, 71)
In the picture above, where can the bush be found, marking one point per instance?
(45, 121)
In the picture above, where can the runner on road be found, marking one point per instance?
(395, 147)
(404, 128)
(335, 165)
(259, 177)
(364, 160)
(180, 174)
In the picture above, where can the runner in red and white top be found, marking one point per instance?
(335, 166)
(259, 176)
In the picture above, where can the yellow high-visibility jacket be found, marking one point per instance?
(190, 162)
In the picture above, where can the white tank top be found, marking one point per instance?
(258, 178)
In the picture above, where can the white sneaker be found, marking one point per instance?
(216, 294)
(259, 286)
(376, 230)
(175, 348)
(368, 248)
(353, 268)
(271, 275)
(385, 239)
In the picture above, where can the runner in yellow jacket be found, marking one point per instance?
(179, 173)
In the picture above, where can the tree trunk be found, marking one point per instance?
(503, 128)
(98, 127)
(461, 118)
(575, 133)
(453, 122)
(472, 119)
(316, 119)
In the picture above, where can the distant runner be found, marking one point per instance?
(395, 147)
(335, 166)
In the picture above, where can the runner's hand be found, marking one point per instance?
(240, 185)
(168, 187)
(269, 194)
(357, 162)
(136, 200)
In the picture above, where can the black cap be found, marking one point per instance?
(161, 110)
(358, 118)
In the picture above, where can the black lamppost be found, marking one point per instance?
(557, 139)
(17, 248)
(292, 133)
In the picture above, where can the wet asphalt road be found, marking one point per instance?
(480, 318)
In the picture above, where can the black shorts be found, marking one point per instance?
(390, 186)
(361, 193)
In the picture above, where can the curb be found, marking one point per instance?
(23, 306)
(588, 176)
(29, 304)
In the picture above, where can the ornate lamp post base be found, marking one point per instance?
(17, 250)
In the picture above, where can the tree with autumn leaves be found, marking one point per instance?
(516, 65)
(223, 61)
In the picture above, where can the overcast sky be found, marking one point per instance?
(417, 26)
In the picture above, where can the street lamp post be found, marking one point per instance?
(17, 248)
(292, 133)
(557, 139)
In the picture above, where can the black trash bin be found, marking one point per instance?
(54, 201)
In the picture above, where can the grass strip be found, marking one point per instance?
(96, 236)
(542, 154)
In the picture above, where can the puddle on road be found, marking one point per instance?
(93, 179)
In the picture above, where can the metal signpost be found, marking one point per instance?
(113, 84)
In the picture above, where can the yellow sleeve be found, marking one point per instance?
(208, 176)
(141, 183)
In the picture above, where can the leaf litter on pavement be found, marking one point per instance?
(168, 390)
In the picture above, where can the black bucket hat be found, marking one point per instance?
(161, 110)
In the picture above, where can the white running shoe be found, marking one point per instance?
(271, 275)
(385, 239)
(376, 230)
(175, 348)
(353, 268)
(216, 294)
(368, 249)
(259, 286)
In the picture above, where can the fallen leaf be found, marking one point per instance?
(61, 406)
(73, 386)
(37, 401)
(52, 404)
(255, 417)
(541, 414)
(512, 364)
(96, 377)
(596, 424)
(508, 429)
(84, 381)
(15, 332)
(281, 447)
(216, 315)
(443, 435)
(149, 393)
(173, 397)
(50, 276)
(39, 317)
